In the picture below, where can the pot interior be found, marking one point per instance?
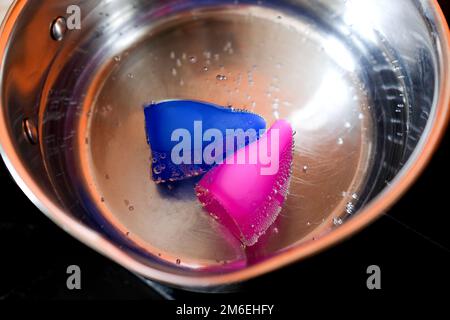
(357, 92)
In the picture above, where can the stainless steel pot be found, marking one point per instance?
(364, 83)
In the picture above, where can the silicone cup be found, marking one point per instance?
(240, 196)
(163, 118)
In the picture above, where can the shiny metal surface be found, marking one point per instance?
(58, 28)
(365, 86)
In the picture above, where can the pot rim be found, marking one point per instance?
(433, 134)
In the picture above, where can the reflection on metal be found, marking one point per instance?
(58, 28)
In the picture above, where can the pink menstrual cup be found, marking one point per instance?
(246, 192)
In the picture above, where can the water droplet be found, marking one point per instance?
(131, 208)
(340, 141)
(130, 75)
(275, 230)
(305, 169)
(348, 125)
(221, 77)
(205, 69)
(193, 59)
(179, 64)
(178, 261)
(360, 116)
(174, 72)
(172, 55)
(117, 58)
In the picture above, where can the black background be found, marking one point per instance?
(411, 244)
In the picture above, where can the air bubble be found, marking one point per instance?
(207, 55)
(157, 170)
(349, 208)
(337, 221)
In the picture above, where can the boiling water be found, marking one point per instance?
(278, 65)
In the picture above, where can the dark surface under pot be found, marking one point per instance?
(410, 244)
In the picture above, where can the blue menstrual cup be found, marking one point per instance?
(181, 132)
